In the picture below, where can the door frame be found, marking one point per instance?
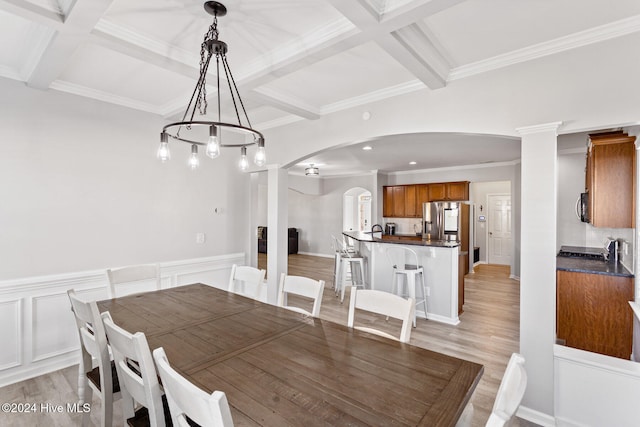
(486, 237)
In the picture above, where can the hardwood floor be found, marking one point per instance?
(488, 333)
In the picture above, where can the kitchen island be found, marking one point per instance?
(439, 260)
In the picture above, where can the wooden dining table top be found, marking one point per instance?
(279, 368)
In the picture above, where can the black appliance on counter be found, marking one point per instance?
(390, 228)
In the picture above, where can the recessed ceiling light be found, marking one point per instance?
(412, 163)
(367, 148)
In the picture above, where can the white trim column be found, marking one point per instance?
(538, 264)
(277, 219)
(252, 254)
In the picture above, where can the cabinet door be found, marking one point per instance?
(593, 312)
(398, 201)
(422, 197)
(387, 201)
(410, 202)
(612, 184)
(457, 191)
(437, 192)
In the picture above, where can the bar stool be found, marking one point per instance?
(348, 261)
(406, 267)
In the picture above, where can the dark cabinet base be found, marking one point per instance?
(593, 312)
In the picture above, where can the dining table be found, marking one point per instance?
(281, 368)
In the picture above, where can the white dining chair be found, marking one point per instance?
(246, 281)
(408, 275)
(508, 398)
(303, 287)
(187, 400)
(102, 378)
(133, 279)
(137, 375)
(383, 303)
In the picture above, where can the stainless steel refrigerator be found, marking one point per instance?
(445, 221)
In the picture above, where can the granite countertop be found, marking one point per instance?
(398, 239)
(582, 265)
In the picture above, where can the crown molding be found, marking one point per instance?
(452, 168)
(86, 92)
(543, 127)
(561, 44)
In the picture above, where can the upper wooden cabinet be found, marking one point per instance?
(405, 201)
(410, 202)
(610, 179)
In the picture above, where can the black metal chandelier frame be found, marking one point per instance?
(210, 47)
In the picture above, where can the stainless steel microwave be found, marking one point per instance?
(582, 207)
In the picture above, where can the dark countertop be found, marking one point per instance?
(582, 265)
(399, 239)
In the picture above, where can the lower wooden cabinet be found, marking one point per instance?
(593, 313)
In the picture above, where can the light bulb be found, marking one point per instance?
(164, 153)
(244, 163)
(213, 146)
(261, 156)
(194, 162)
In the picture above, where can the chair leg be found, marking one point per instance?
(343, 280)
(424, 293)
(361, 263)
(411, 285)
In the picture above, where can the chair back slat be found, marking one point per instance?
(301, 286)
(384, 303)
(136, 275)
(246, 280)
(136, 371)
(187, 400)
(510, 392)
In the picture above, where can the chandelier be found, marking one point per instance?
(208, 134)
(312, 170)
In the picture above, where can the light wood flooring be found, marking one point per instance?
(488, 333)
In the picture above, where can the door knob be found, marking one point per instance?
(490, 233)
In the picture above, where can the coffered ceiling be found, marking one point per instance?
(292, 59)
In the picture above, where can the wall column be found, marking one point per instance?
(277, 220)
(252, 256)
(538, 264)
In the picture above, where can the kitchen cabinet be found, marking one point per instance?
(410, 202)
(422, 196)
(405, 201)
(387, 202)
(593, 312)
(610, 180)
(398, 201)
(447, 191)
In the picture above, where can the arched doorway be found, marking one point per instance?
(356, 209)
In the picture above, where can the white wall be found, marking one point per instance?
(82, 189)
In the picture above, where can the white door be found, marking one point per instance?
(499, 225)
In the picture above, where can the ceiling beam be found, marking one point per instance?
(33, 13)
(401, 35)
(78, 23)
(281, 102)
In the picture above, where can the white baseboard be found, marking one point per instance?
(35, 309)
(315, 254)
(537, 417)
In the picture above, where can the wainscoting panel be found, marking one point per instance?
(10, 334)
(37, 328)
(53, 326)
